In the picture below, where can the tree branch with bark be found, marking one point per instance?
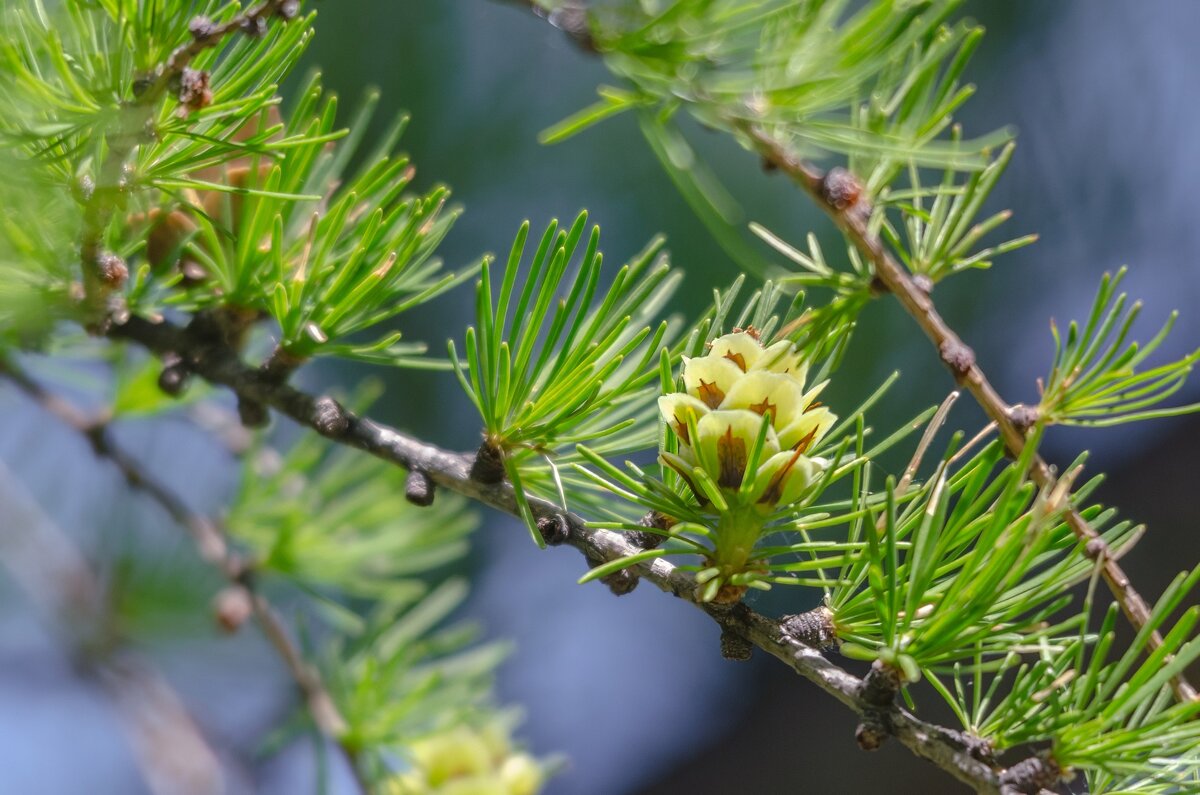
(206, 225)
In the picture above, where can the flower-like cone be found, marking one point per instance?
(462, 760)
(726, 438)
(728, 393)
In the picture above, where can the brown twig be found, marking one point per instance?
(957, 357)
(212, 546)
(169, 748)
(953, 751)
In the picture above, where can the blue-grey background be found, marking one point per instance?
(1105, 99)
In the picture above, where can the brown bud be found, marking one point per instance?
(174, 376)
(201, 27)
(1031, 775)
(1023, 417)
(232, 607)
(648, 540)
(288, 10)
(111, 269)
(619, 582)
(329, 418)
(870, 735)
(958, 357)
(727, 594)
(488, 466)
(553, 529)
(194, 90)
(840, 189)
(814, 628)
(254, 27)
(572, 18)
(419, 488)
(1096, 548)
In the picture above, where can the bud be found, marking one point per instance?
(201, 27)
(232, 608)
(255, 27)
(194, 90)
(111, 269)
(174, 376)
(288, 10)
(466, 759)
(841, 189)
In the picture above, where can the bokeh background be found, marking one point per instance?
(1106, 100)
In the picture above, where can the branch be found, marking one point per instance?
(212, 360)
(851, 217)
(168, 746)
(215, 550)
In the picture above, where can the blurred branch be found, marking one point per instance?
(213, 548)
(170, 749)
(214, 361)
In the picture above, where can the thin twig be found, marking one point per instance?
(169, 748)
(216, 363)
(213, 548)
(960, 360)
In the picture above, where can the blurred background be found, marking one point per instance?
(1106, 100)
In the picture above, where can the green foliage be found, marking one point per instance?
(545, 381)
(190, 144)
(1116, 718)
(335, 525)
(801, 70)
(877, 83)
(36, 258)
(940, 240)
(977, 564)
(75, 70)
(322, 517)
(327, 254)
(404, 674)
(1095, 379)
(823, 330)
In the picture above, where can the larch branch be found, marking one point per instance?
(210, 359)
